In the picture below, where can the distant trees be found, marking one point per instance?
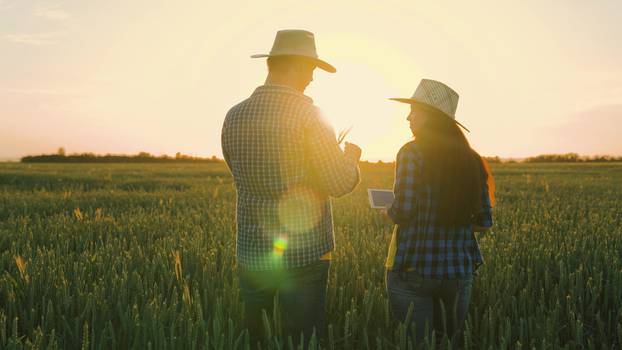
(571, 158)
(493, 159)
(142, 157)
(603, 159)
(145, 157)
(556, 158)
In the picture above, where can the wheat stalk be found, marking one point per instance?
(343, 134)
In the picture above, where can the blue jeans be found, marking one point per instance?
(302, 295)
(427, 295)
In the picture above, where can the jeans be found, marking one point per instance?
(302, 295)
(427, 295)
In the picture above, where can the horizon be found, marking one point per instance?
(503, 159)
(533, 78)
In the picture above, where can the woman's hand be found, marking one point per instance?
(385, 210)
(482, 229)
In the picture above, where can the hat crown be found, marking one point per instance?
(294, 42)
(437, 95)
(297, 42)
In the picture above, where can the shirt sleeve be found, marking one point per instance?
(407, 176)
(333, 172)
(223, 144)
(484, 216)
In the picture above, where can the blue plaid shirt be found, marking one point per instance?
(286, 163)
(422, 244)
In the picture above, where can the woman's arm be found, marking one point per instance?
(483, 220)
(477, 228)
(407, 176)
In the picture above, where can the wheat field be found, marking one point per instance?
(116, 256)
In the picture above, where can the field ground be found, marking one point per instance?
(142, 256)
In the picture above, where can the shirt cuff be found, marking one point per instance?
(392, 212)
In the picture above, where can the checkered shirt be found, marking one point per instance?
(422, 243)
(286, 163)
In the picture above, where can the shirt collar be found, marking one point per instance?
(281, 89)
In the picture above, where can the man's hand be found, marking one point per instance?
(352, 151)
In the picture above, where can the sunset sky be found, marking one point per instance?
(158, 76)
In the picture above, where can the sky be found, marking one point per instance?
(158, 76)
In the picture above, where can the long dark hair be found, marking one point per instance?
(452, 168)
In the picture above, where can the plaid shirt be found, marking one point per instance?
(422, 243)
(285, 162)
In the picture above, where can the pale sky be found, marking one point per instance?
(158, 76)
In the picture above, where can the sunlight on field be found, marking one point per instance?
(143, 256)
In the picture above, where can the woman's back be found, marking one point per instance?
(424, 241)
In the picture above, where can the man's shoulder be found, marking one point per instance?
(277, 99)
(237, 108)
(314, 118)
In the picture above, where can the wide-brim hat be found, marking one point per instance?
(296, 42)
(436, 95)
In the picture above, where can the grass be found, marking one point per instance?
(101, 256)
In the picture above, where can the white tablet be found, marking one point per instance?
(380, 199)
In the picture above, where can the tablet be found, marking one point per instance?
(380, 199)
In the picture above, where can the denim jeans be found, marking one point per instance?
(427, 295)
(302, 295)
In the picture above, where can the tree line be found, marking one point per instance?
(571, 158)
(142, 157)
(557, 158)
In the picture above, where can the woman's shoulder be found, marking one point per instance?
(410, 150)
(483, 165)
(410, 146)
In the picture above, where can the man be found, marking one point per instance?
(286, 163)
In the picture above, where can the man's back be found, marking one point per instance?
(263, 137)
(285, 162)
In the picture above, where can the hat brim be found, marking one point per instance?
(318, 62)
(413, 101)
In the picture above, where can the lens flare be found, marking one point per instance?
(299, 210)
(280, 245)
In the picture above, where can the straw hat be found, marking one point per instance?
(296, 42)
(432, 93)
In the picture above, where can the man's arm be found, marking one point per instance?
(336, 173)
(223, 147)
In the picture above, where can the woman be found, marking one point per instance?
(441, 198)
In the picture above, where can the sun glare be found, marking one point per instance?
(299, 210)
